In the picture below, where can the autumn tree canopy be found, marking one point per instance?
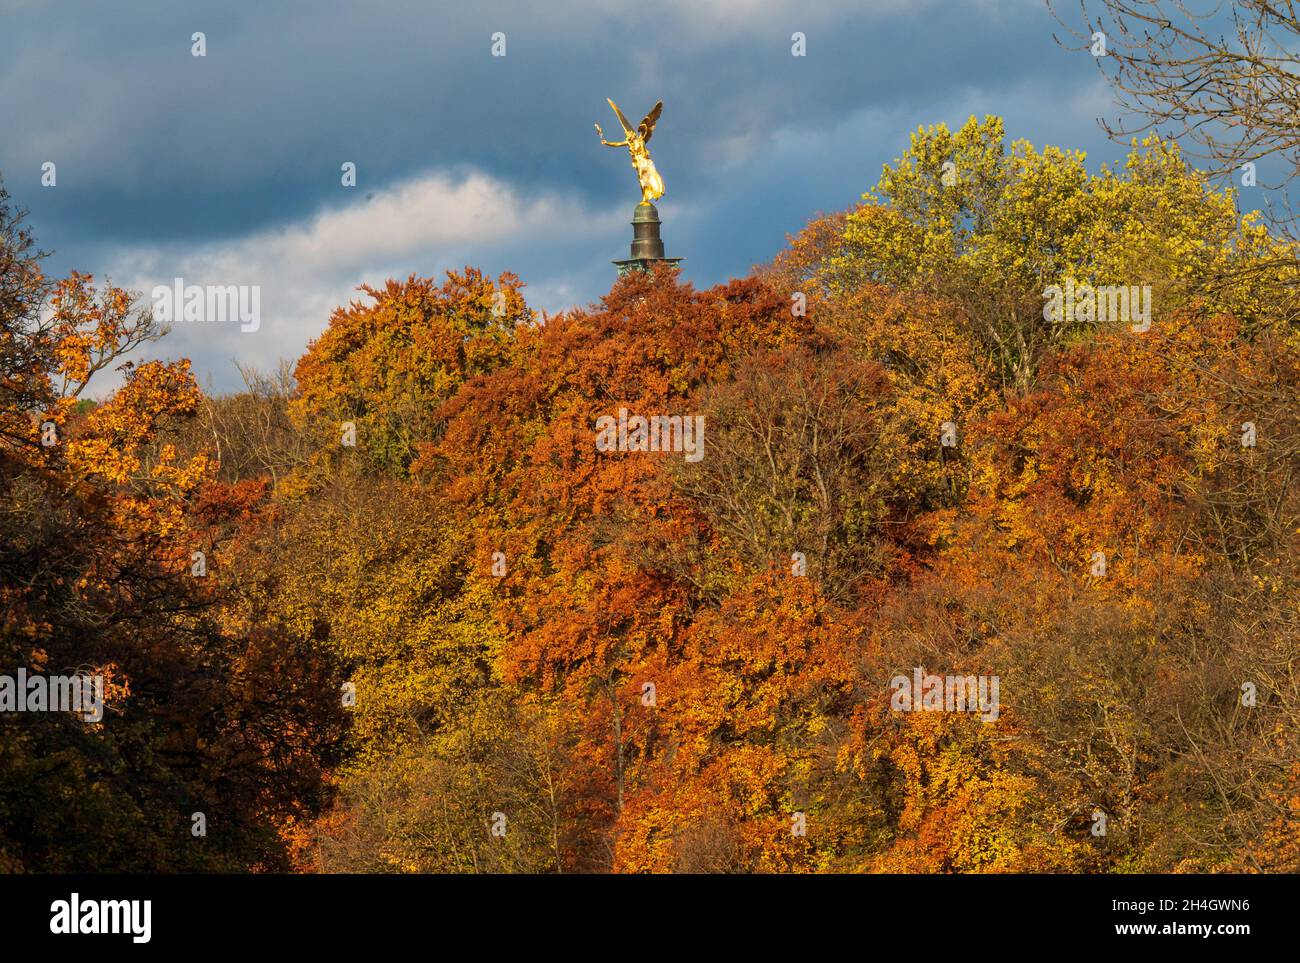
(478, 639)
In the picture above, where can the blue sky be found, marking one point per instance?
(225, 169)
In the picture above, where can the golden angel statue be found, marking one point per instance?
(652, 185)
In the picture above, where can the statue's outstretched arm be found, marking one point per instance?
(609, 143)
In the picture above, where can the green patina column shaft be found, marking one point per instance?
(647, 246)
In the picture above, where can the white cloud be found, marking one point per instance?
(306, 269)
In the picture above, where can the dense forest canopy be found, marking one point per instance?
(438, 628)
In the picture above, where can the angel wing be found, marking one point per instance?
(627, 126)
(647, 126)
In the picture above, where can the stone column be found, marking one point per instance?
(647, 247)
